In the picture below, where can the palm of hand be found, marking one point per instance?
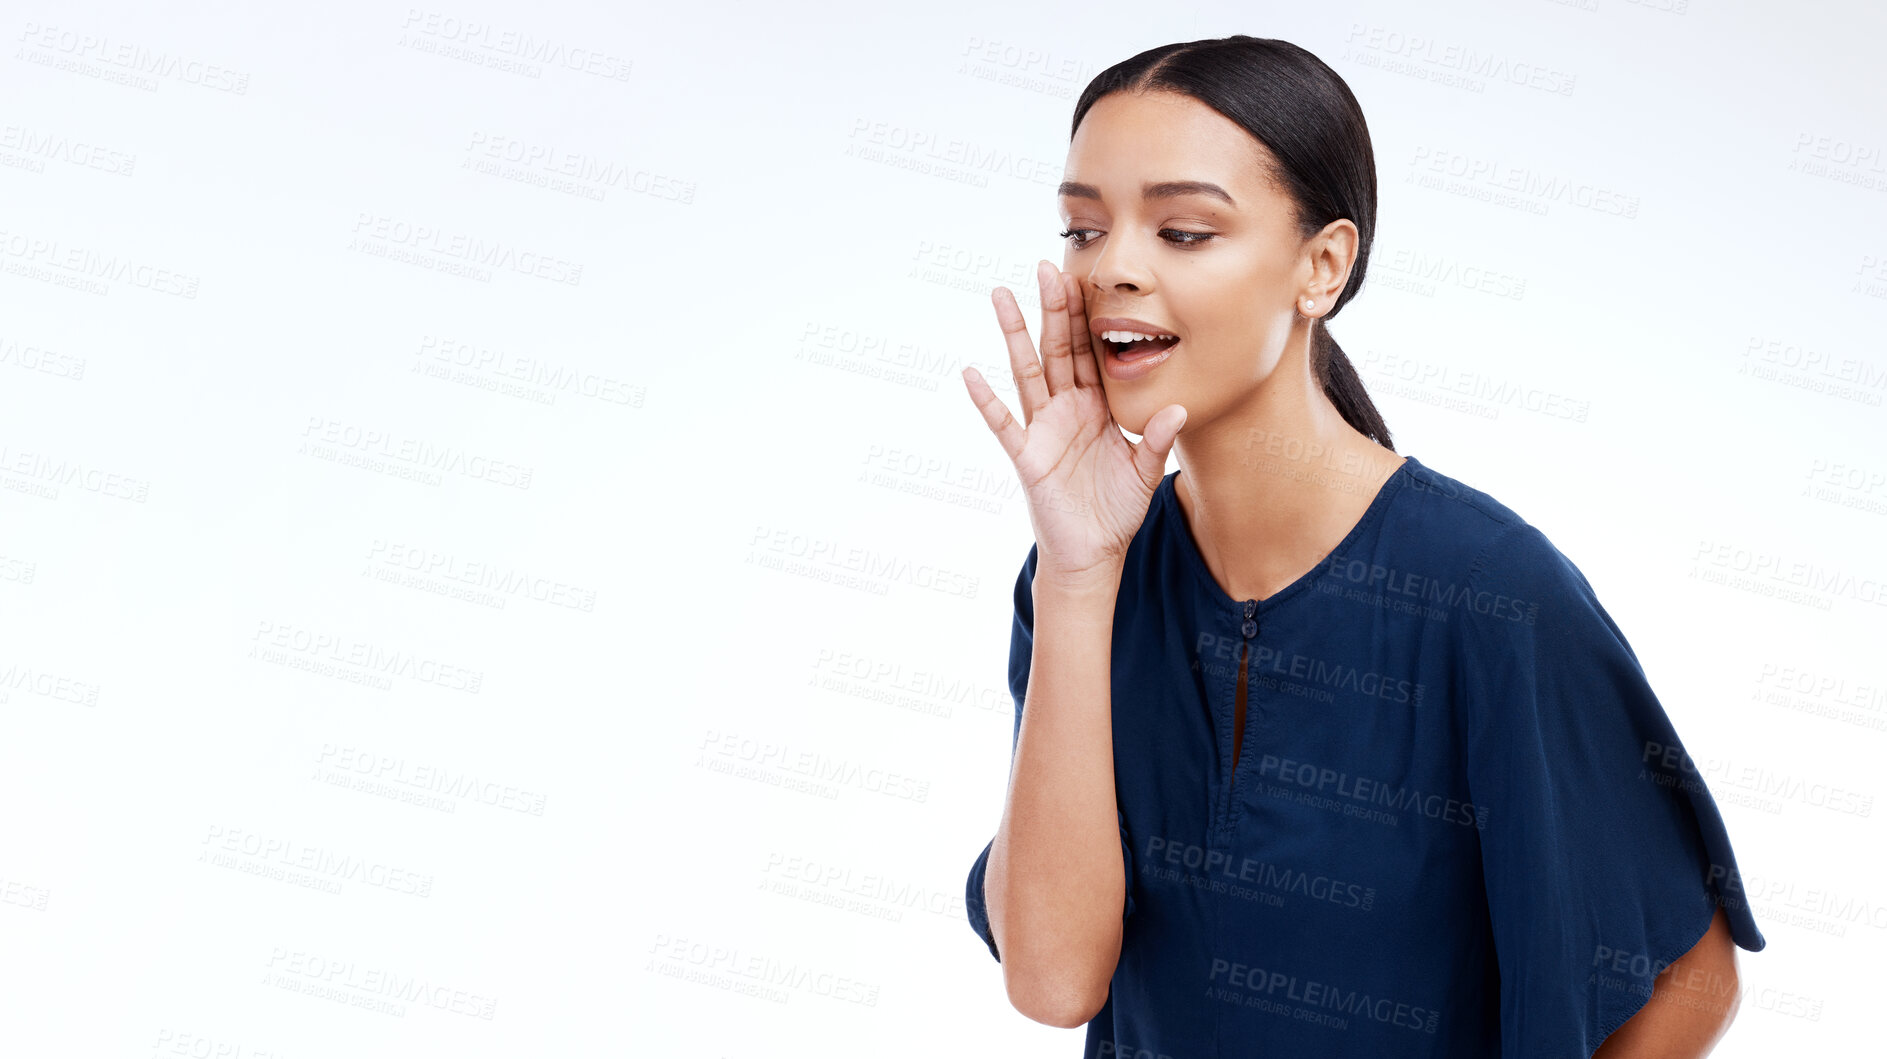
(1088, 486)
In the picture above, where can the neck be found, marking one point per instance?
(1276, 483)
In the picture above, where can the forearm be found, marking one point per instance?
(1054, 880)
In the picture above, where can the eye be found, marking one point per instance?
(1175, 236)
(1191, 238)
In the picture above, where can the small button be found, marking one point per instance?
(1251, 628)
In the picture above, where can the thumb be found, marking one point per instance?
(1157, 442)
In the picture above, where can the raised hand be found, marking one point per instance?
(1088, 487)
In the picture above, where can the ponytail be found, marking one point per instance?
(1344, 387)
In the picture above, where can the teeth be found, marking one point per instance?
(1131, 336)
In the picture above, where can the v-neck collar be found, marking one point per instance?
(1179, 528)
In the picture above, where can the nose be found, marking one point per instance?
(1119, 266)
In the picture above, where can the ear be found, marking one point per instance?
(1329, 255)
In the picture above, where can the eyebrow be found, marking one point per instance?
(1164, 190)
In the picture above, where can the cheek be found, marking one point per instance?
(1229, 305)
(1240, 320)
(1242, 297)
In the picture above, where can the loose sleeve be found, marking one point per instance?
(1602, 851)
(1021, 651)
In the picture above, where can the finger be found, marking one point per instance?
(1009, 433)
(1086, 356)
(1031, 389)
(1150, 455)
(1057, 355)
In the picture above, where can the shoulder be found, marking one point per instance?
(1473, 516)
(1491, 547)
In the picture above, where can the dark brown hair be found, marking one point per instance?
(1307, 118)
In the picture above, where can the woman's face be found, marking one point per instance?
(1225, 276)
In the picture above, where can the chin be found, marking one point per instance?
(1132, 415)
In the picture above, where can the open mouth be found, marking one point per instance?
(1139, 347)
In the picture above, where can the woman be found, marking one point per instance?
(1387, 779)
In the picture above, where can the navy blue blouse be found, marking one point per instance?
(1460, 822)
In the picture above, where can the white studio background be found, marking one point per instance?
(497, 559)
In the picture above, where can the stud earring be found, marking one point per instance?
(1308, 304)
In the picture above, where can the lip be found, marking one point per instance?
(1099, 324)
(1127, 370)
